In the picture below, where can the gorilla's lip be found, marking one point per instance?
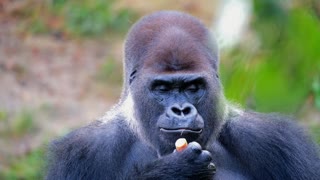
(181, 130)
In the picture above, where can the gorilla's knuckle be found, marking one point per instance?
(206, 155)
(195, 147)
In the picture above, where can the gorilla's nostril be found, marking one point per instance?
(176, 111)
(186, 110)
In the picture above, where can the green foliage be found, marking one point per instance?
(281, 74)
(17, 125)
(270, 20)
(110, 72)
(79, 18)
(37, 26)
(3, 115)
(316, 91)
(89, 17)
(28, 167)
(23, 123)
(58, 4)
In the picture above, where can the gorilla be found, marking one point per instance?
(172, 90)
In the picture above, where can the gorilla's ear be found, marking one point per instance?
(132, 76)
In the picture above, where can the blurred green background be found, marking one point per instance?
(60, 66)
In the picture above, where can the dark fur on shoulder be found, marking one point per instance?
(271, 146)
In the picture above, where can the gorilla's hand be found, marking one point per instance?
(190, 163)
(193, 162)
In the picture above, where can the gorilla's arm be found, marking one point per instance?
(271, 147)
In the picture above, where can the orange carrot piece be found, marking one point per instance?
(181, 144)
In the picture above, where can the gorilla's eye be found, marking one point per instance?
(162, 88)
(192, 88)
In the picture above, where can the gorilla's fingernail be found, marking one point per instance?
(212, 167)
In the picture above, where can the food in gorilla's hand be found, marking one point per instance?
(181, 144)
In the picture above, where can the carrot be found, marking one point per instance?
(181, 144)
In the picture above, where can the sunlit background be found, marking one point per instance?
(60, 64)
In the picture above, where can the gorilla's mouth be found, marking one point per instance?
(170, 135)
(181, 131)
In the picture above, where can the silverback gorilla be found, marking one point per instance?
(172, 90)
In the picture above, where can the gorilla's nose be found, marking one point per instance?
(184, 111)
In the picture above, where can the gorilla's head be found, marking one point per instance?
(171, 67)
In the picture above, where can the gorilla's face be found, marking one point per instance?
(173, 81)
(176, 100)
(179, 96)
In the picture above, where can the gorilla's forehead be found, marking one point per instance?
(182, 52)
(176, 64)
(168, 42)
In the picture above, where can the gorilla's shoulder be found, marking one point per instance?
(271, 144)
(98, 143)
(268, 127)
(98, 132)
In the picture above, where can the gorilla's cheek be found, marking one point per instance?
(147, 113)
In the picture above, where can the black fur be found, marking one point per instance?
(172, 90)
